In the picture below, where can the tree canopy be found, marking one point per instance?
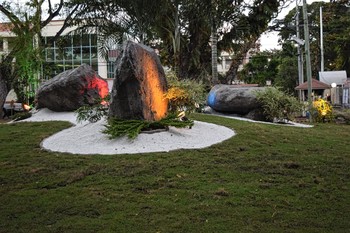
(336, 34)
(181, 29)
(336, 17)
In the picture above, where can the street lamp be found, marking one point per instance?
(298, 40)
(333, 95)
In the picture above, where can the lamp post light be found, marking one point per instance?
(333, 95)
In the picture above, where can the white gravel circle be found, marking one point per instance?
(87, 138)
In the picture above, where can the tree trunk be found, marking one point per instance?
(3, 93)
(214, 56)
(176, 42)
(214, 43)
(5, 75)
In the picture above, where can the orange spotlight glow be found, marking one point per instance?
(26, 107)
(155, 97)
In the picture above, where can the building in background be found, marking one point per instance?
(339, 86)
(70, 51)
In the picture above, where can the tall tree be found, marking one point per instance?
(262, 67)
(277, 66)
(336, 37)
(182, 29)
(247, 30)
(23, 62)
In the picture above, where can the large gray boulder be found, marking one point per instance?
(139, 85)
(233, 99)
(71, 89)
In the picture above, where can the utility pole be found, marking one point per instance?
(321, 40)
(300, 55)
(308, 60)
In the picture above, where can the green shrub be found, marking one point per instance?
(343, 114)
(184, 95)
(277, 105)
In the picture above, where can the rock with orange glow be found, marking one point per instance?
(139, 85)
(72, 89)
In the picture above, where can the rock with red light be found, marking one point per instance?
(139, 85)
(72, 89)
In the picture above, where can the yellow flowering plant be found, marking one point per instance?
(184, 95)
(322, 111)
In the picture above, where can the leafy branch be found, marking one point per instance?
(132, 128)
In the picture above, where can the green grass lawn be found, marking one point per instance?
(265, 179)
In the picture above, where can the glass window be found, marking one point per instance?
(77, 53)
(64, 42)
(93, 39)
(68, 54)
(93, 52)
(94, 66)
(11, 44)
(68, 67)
(86, 52)
(110, 69)
(85, 40)
(71, 51)
(76, 40)
(59, 55)
(49, 54)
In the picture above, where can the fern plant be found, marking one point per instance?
(21, 116)
(132, 128)
(95, 112)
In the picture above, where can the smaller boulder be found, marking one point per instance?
(72, 89)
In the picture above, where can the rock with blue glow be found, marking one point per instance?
(233, 99)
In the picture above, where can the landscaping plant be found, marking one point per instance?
(184, 95)
(277, 105)
(342, 114)
(322, 111)
(21, 116)
(132, 128)
(95, 112)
